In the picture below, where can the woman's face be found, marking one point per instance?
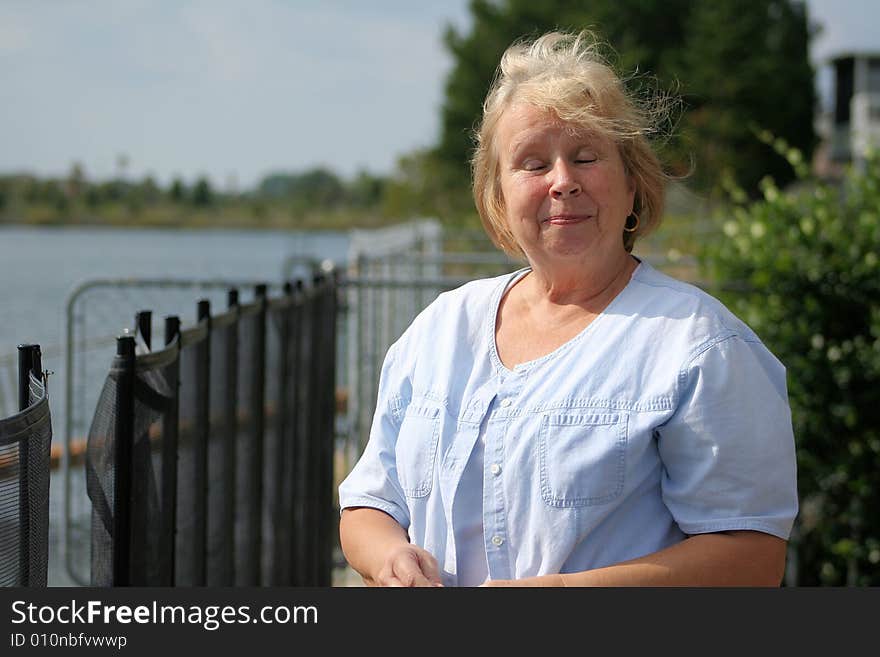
(566, 193)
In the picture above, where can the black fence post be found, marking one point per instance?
(170, 430)
(37, 363)
(26, 365)
(230, 434)
(329, 515)
(316, 447)
(325, 439)
(143, 321)
(258, 405)
(319, 437)
(28, 361)
(124, 434)
(280, 575)
(299, 464)
(202, 423)
(308, 473)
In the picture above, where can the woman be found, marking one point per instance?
(585, 421)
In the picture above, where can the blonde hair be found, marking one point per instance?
(565, 73)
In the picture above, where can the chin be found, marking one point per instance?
(571, 247)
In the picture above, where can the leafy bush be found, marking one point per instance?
(802, 267)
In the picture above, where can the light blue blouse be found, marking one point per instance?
(665, 417)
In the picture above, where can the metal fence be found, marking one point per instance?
(96, 312)
(25, 439)
(210, 461)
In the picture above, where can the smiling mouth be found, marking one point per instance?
(567, 219)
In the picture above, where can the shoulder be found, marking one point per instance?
(686, 324)
(687, 309)
(455, 323)
(479, 291)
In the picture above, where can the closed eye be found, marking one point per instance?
(585, 156)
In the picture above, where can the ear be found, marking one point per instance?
(631, 190)
(630, 181)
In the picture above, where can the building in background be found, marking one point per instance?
(852, 124)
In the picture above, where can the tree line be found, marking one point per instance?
(75, 199)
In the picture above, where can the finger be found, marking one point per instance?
(421, 581)
(430, 568)
(409, 571)
(385, 577)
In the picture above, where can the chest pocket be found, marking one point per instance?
(417, 449)
(582, 458)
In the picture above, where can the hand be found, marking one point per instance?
(409, 566)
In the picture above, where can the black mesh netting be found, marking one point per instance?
(228, 477)
(222, 456)
(25, 444)
(304, 504)
(191, 465)
(249, 450)
(151, 561)
(278, 450)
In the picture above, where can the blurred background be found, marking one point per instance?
(219, 139)
(307, 114)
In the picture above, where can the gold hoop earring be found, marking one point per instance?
(626, 226)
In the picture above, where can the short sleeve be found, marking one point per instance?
(728, 450)
(373, 481)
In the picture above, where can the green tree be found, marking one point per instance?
(802, 267)
(422, 186)
(148, 190)
(76, 181)
(92, 197)
(316, 188)
(737, 64)
(202, 194)
(177, 192)
(365, 190)
(113, 190)
(745, 66)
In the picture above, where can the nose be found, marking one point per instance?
(564, 184)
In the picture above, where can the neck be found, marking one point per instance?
(591, 287)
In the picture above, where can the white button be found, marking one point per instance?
(497, 540)
(505, 403)
(495, 469)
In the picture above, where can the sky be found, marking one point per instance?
(237, 89)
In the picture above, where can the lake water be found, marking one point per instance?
(39, 267)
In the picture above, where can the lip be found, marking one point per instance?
(567, 219)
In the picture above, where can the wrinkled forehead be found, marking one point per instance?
(522, 122)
